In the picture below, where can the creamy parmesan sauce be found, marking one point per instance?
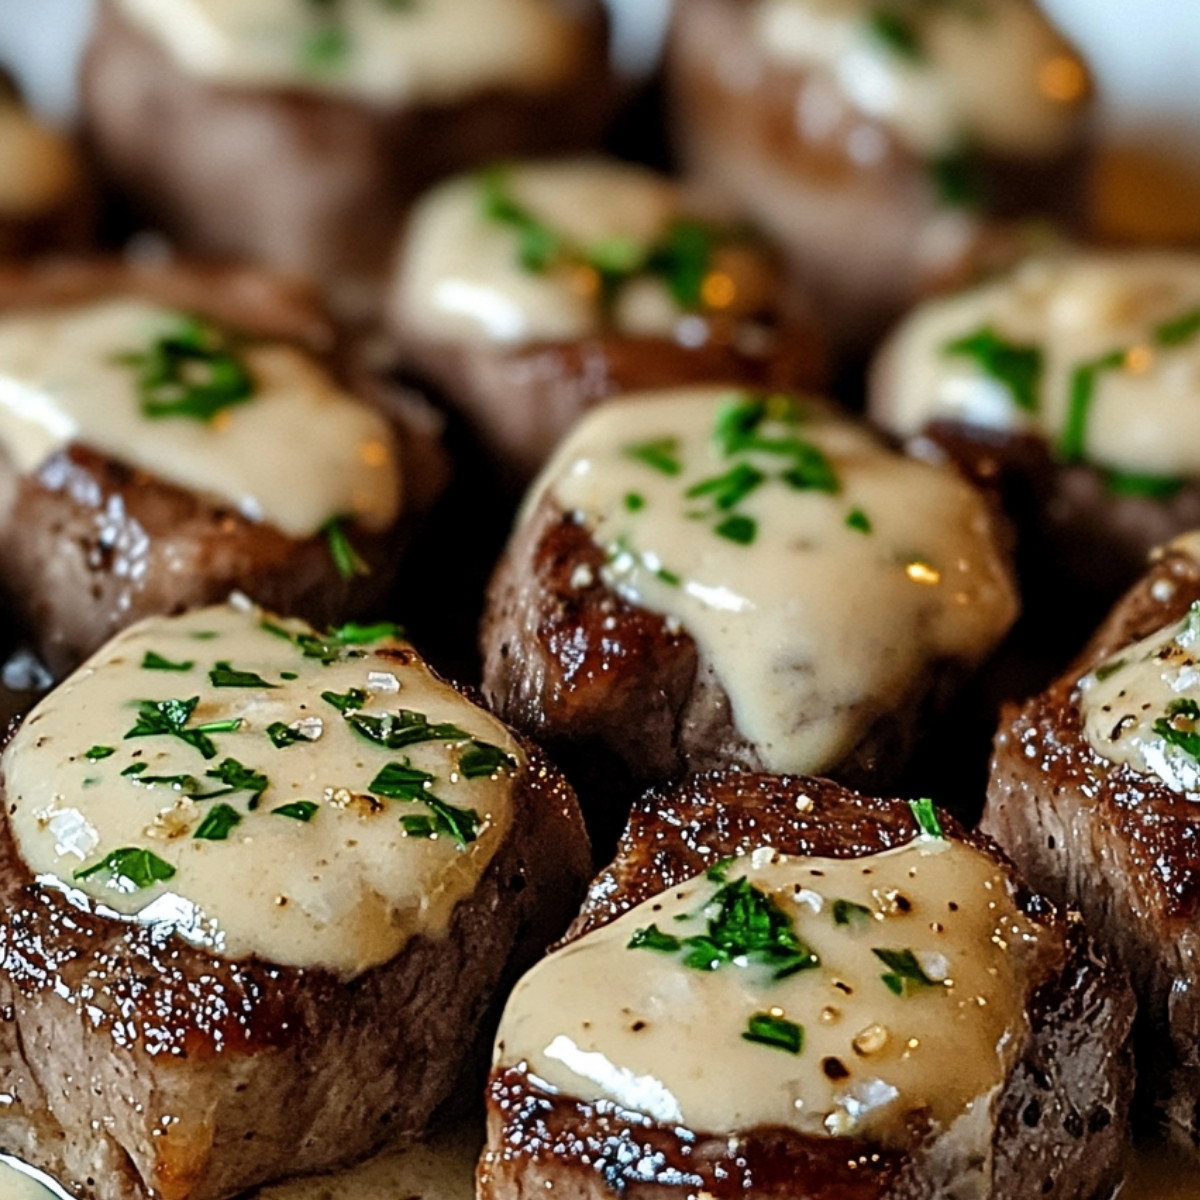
(344, 889)
(992, 74)
(298, 453)
(1075, 309)
(602, 1020)
(459, 276)
(38, 167)
(376, 51)
(1144, 700)
(818, 627)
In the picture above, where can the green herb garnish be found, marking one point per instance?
(1188, 740)
(354, 634)
(96, 753)
(660, 453)
(906, 973)
(349, 563)
(1179, 329)
(170, 717)
(298, 810)
(136, 768)
(282, 735)
(401, 781)
(653, 938)
(395, 731)
(1133, 483)
(217, 823)
(1072, 442)
(1107, 670)
(192, 371)
(180, 783)
(237, 778)
(812, 470)
(738, 528)
(895, 32)
(481, 760)
(857, 519)
(958, 179)
(346, 702)
(731, 488)
(846, 912)
(153, 661)
(130, 868)
(926, 817)
(634, 501)
(1017, 368)
(776, 1032)
(225, 676)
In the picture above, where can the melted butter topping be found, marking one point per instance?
(1142, 706)
(993, 74)
(517, 256)
(376, 51)
(820, 573)
(365, 855)
(1118, 335)
(299, 451)
(642, 1027)
(38, 167)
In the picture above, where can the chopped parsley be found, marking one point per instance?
(653, 938)
(926, 818)
(481, 760)
(237, 778)
(402, 781)
(170, 717)
(225, 676)
(136, 768)
(193, 371)
(857, 519)
(738, 528)
(130, 868)
(660, 453)
(905, 974)
(747, 924)
(354, 634)
(812, 470)
(958, 179)
(180, 783)
(96, 753)
(847, 912)
(1178, 330)
(395, 731)
(777, 1032)
(217, 823)
(1187, 711)
(346, 702)
(282, 735)
(634, 501)
(338, 644)
(1107, 670)
(348, 562)
(1017, 368)
(1133, 483)
(153, 661)
(1072, 443)
(896, 32)
(731, 488)
(298, 810)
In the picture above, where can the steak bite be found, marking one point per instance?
(1070, 381)
(528, 293)
(1094, 791)
(782, 988)
(169, 435)
(259, 886)
(879, 144)
(298, 134)
(703, 578)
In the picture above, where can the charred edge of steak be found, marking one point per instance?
(1060, 1119)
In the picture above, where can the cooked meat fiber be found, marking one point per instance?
(702, 579)
(204, 995)
(1068, 380)
(849, 1082)
(876, 201)
(587, 279)
(304, 149)
(1093, 792)
(192, 437)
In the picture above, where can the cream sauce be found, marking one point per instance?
(38, 167)
(993, 74)
(459, 276)
(601, 1020)
(1076, 309)
(345, 889)
(818, 628)
(298, 453)
(380, 52)
(1132, 702)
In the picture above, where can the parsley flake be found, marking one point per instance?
(1178, 330)
(218, 823)
(777, 1032)
(131, 868)
(662, 454)
(906, 974)
(237, 778)
(395, 731)
(225, 676)
(738, 528)
(170, 717)
(152, 661)
(926, 818)
(653, 938)
(298, 810)
(96, 753)
(857, 519)
(847, 912)
(282, 735)
(348, 562)
(1018, 369)
(481, 760)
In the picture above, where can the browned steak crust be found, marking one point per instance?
(88, 545)
(1120, 846)
(1060, 1118)
(305, 182)
(596, 679)
(141, 1067)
